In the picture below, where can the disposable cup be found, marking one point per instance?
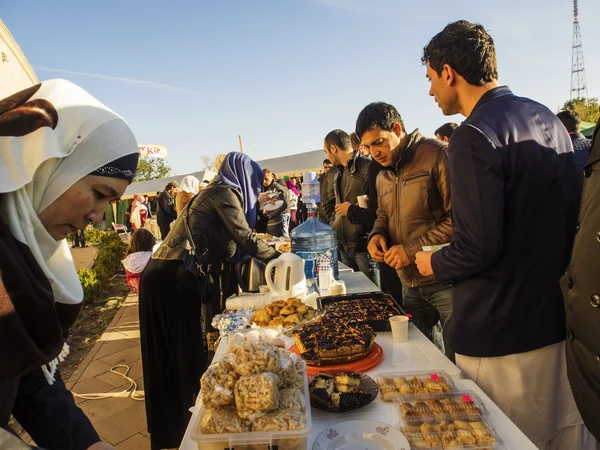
(399, 326)
(337, 287)
(362, 201)
(263, 289)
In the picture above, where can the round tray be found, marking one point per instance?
(367, 385)
(371, 359)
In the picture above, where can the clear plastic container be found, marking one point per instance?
(395, 385)
(467, 434)
(463, 405)
(315, 242)
(284, 440)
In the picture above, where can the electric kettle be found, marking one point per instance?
(285, 276)
(250, 274)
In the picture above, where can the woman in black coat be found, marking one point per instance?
(184, 286)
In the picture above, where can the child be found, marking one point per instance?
(138, 254)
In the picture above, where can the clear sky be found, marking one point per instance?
(192, 75)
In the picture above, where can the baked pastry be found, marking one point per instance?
(280, 420)
(272, 310)
(294, 302)
(362, 310)
(217, 385)
(287, 310)
(347, 382)
(302, 309)
(279, 303)
(294, 318)
(327, 341)
(309, 315)
(256, 393)
(249, 358)
(276, 323)
(218, 421)
(324, 382)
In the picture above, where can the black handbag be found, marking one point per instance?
(194, 262)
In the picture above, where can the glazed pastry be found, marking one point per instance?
(461, 425)
(273, 310)
(294, 318)
(426, 429)
(406, 410)
(479, 426)
(389, 396)
(469, 407)
(484, 437)
(452, 407)
(433, 440)
(466, 437)
(276, 323)
(436, 408)
(302, 309)
(449, 439)
(294, 302)
(287, 310)
(419, 443)
(422, 409)
(279, 303)
(309, 315)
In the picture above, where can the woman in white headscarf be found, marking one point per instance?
(64, 157)
(189, 187)
(139, 212)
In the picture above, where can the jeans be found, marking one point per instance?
(285, 220)
(79, 237)
(427, 304)
(361, 262)
(390, 282)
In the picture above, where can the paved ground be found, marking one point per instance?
(84, 257)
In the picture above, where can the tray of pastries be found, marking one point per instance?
(373, 309)
(342, 391)
(328, 341)
(394, 385)
(459, 434)
(438, 407)
(283, 313)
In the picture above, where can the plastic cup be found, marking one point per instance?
(399, 326)
(362, 201)
(263, 289)
(337, 287)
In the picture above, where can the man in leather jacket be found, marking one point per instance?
(349, 183)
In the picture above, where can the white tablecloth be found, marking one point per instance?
(418, 353)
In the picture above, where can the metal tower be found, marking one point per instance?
(578, 82)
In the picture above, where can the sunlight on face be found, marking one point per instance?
(442, 92)
(381, 144)
(83, 203)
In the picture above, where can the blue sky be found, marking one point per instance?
(194, 75)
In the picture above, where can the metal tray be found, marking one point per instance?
(377, 325)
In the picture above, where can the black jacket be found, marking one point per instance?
(352, 236)
(165, 212)
(367, 217)
(582, 298)
(217, 223)
(275, 216)
(515, 198)
(327, 203)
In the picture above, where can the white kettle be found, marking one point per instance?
(287, 279)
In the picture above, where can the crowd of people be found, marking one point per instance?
(490, 229)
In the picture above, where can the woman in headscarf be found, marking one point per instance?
(139, 212)
(178, 300)
(293, 195)
(65, 157)
(189, 187)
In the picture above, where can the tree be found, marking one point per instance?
(588, 111)
(208, 162)
(152, 169)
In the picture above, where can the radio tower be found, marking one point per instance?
(578, 83)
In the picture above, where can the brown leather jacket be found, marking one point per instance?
(414, 202)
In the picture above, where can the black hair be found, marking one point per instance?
(339, 138)
(446, 130)
(570, 120)
(355, 140)
(467, 48)
(377, 115)
(326, 161)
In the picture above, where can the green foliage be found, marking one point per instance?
(92, 237)
(91, 283)
(111, 250)
(151, 169)
(588, 111)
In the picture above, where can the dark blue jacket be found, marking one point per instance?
(515, 198)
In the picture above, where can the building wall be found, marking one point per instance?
(15, 72)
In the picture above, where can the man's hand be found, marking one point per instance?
(423, 262)
(377, 247)
(396, 257)
(341, 209)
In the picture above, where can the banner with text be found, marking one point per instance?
(153, 151)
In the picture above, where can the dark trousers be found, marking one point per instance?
(361, 262)
(165, 227)
(47, 412)
(79, 238)
(390, 282)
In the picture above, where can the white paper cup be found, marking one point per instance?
(362, 201)
(399, 326)
(337, 287)
(263, 289)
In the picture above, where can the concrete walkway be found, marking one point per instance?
(84, 257)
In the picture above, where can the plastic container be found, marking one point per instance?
(314, 241)
(397, 385)
(477, 434)
(284, 440)
(463, 405)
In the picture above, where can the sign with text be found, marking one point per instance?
(153, 151)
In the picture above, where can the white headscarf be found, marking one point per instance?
(37, 168)
(190, 184)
